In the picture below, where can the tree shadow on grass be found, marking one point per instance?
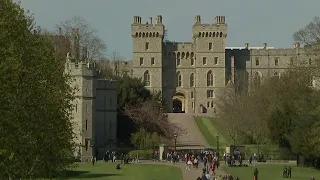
(87, 175)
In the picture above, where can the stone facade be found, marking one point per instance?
(194, 73)
(95, 106)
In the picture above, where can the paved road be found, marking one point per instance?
(193, 138)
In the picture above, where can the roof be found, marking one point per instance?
(248, 48)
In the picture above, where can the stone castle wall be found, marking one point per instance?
(183, 68)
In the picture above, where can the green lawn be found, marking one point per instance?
(272, 172)
(107, 171)
(209, 126)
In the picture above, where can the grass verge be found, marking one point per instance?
(107, 171)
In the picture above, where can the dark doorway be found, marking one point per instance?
(177, 106)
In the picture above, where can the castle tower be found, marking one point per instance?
(147, 51)
(210, 43)
(82, 74)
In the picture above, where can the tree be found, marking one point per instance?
(36, 137)
(88, 36)
(115, 59)
(149, 116)
(145, 140)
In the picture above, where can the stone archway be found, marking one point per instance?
(179, 103)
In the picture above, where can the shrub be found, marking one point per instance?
(143, 154)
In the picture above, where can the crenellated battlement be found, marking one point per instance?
(148, 29)
(216, 29)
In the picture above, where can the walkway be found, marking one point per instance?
(193, 138)
(191, 174)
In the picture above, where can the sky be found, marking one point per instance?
(252, 21)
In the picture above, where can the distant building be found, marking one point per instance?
(192, 74)
(95, 106)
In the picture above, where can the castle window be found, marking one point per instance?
(192, 61)
(152, 61)
(210, 46)
(257, 61)
(215, 60)
(179, 79)
(147, 46)
(187, 55)
(210, 94)
(210, 78)
(208, 104)
(276, 61)
(214, 34)
(204, 60)
(192, 55)
(310, 62)
(76, 108)
(182, 55)
(146, 78)
(211, 104)
(221, 34)
(192, 95)
(191, 80)
(257, 79)
(192, 105)
(178, 62)
(86, 124)
(141, 61)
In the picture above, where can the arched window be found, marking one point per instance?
(276, 74)
(187, 55)
(210, 34)
(182, 55)
(192, 62)
(179, 79)
(214, 34)
(146, 78)
(143, 34)
(210, 78)
(137, 35)
(140, 34)
(257, 79)
(221, 34)
(191, 80)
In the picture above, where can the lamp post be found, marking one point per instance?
(175, 141)
(217, 136)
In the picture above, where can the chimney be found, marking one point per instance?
(264, 45)
(150, 19)
(159, 19)
(197, 19)
(246, 45)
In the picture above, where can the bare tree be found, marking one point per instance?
(149, 116)
(96, 47)
(115, 59)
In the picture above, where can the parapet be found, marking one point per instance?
(136, 19)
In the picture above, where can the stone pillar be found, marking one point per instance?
(162, 150)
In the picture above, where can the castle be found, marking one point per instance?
(191, 74)
(95, 105)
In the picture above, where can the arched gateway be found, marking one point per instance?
(179, 103)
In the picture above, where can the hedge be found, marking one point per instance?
(143, 154)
